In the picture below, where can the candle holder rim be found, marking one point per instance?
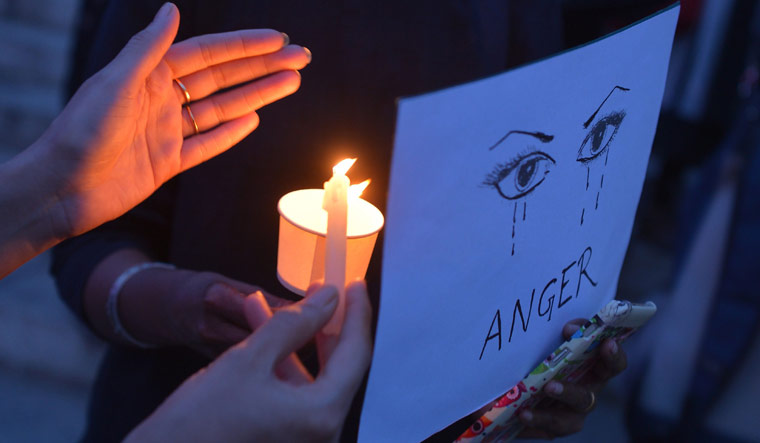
(290, 287)
(324, 234)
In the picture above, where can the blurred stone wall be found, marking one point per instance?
(35, 39)
(47, 359)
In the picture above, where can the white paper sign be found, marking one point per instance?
(510, 210)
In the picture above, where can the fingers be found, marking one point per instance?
(276, 302)
(257, 312)
(145, 49)
(216, 335)
(612, 361)
(325, 342)
(247, 289)
(204, 146)
(572, 327)
(551, 423)
(291, 327)
(574, 396)
(345, 367)
(201, 52)
(226, 106)
(225, 301)
(207, 81)
(221, 335)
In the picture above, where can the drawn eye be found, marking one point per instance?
(599, 137)
(520, 176)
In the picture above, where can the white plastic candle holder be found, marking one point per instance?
(303, 230)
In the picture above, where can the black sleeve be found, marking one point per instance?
(147, 227)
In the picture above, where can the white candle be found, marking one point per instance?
(336, 204)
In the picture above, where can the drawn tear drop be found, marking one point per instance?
(525, 206)
(582, 214)
(606, 157)
(514, 222)
(601, 184)
(588, 171)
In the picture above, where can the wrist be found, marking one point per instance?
(42, 165)
(112, 302)
(146, 305)
(53, 161)
(30, 221)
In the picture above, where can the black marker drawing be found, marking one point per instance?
(597, 142)
(518, 177)
(590, 119)
(544, 138)
(559, 289)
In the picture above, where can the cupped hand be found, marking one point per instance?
(573, 401)
(244, 396)
(126, 132)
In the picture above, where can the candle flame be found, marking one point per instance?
(355, 191)
(343, 167)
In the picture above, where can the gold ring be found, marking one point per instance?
(592, 404)
(192, 119)
(184, 90)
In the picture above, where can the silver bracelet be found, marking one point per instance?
(112, 304)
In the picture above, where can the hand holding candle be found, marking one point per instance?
(334, 248)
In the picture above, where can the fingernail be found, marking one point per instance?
(554, 388)
(222, 289)
(527, 416)
(613, 347)
(165, 10)
(308, 53)
(285, 39)
(323, 298)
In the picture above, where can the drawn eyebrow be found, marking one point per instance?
(544, 138)
(590, 119)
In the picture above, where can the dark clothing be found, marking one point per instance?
(221, 216)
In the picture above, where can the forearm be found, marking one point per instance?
(165, 306)
(31, 219)
(141, 303)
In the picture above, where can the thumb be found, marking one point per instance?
(292, 327)
(145, 49)
(257, 312)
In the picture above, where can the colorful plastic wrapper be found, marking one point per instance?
(568, 363)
